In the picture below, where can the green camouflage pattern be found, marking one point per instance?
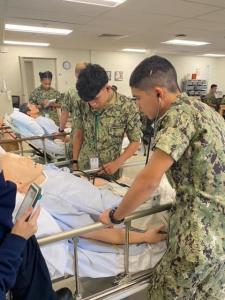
(69, 101)
(193, 134)
(210, 99)
(39, 94)
(121, 116)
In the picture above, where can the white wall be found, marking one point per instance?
(117, 61)
(208, 68)
(10, 68)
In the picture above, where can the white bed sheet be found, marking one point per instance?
(94, 264)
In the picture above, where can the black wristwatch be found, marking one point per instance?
(75, 161)
(61, 130)
(111, 216)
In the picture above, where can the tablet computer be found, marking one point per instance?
(32, 196)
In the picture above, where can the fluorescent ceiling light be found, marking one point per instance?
(134, 50)
(107, 3)
(26, 43)
(185, 43)
(35, 29)
(214, 55)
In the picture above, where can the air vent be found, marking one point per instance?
(181, 35)
(112, 36)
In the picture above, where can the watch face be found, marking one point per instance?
(66, 65)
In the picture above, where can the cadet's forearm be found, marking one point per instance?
(77, 143)
(145, 183)
(63, 119)
(128, 152)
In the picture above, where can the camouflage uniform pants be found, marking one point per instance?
(182, 280)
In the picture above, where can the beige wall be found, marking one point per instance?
(208, 68)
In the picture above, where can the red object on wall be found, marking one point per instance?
(193, 76)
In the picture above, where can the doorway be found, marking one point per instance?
(30, 68)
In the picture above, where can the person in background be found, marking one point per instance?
(70, 100)
(46, 97)
(189, 146)
(101, 121)
(22, 267)
(211, 96)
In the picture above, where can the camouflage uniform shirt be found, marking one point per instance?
(193, 134)
(70, 100)
(39, 94)
(104, 130)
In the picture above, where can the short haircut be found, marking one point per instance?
(213, 86)
(45, 75)
(154, 71)
(24, 108)
(90, 82)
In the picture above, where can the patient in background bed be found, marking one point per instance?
(47, 124)
(72, 201)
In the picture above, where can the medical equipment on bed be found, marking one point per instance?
(128, 283)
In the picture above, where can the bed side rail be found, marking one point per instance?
(43, 138)
(74, 235)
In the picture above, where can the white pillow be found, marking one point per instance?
(27, 125)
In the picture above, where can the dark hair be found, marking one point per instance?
(24, 108)
(45, 75)
(90, 81)
(154, 71)
(213, 86)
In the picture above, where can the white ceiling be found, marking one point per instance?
(144, 23)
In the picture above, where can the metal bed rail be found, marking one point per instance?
(128, 280)
(20, 140)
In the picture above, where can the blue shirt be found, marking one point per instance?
(11, 246)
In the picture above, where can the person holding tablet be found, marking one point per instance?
(22, 266)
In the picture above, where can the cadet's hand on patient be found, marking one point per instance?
(153, 235)
(111, 167)
(26, 229)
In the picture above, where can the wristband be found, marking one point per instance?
(111, 216)
(75, 161)
(61, 130)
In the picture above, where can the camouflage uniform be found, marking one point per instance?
(104, 130)
(194, 266)
(69, 101)
(40, 94)
(210, 99)
(70, 104)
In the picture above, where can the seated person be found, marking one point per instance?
(46, 123)
(20, 256)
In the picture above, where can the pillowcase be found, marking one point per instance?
(26, 125)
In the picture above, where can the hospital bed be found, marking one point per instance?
(126, 281)
(122, 286)
(23, 126)
(42, 146)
